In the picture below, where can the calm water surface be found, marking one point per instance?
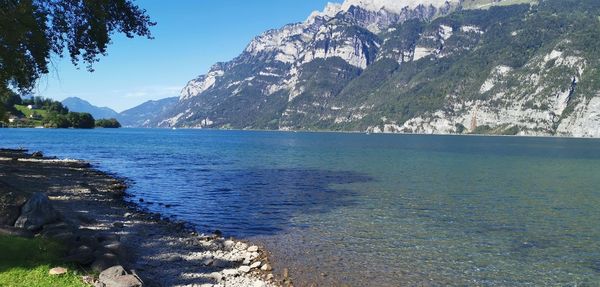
(369, 210)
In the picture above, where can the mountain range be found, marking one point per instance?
(138, 116)
(142, 115)
(79, 105)
(513, 67)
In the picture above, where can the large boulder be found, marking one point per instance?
(11, 201)
(37, 212)
(116, 276)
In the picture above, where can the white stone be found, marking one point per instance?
(244, 269)
(230, 272)
(266, 267)
(241, 246)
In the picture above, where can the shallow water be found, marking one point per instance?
(369, 210)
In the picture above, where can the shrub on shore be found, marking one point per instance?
(108, 123)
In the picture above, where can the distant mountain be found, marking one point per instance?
(422, 66)
(145, 113)
(82, 106)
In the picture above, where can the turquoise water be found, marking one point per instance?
(369, 210)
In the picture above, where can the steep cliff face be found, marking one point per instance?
(530, 100)
(260, 88)
(428, 66)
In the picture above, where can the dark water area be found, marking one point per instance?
(368, 210)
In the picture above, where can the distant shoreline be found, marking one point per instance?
(389, 134)
(337, 132)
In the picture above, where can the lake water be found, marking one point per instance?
(369, 210)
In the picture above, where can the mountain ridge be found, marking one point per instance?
(141, 115)
(76, 104)
(516, 69)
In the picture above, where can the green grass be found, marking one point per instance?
(26, 262)
(27, 112)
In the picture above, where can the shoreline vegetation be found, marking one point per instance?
(79, 215)
(38, 112)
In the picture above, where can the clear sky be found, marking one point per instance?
(191, 35)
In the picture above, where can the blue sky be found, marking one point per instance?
(190, 36)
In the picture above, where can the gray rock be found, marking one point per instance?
(59, 225)
(220, 263)
(228, 245)
(82, 249)
(114, 247)
(105, 261)
(37, 154)
(82, 255)
(13, 231)
(116, 276)
(37, 212)
(85, 219)
(89, 240)
(66, 236)
(207, 262)
(241, 246)
(11, 201)
(59, 231)
(102, 237)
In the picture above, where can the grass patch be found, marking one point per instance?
(26, 262)
(37, 113)
(27, 112)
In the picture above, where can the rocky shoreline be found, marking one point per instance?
(102, 230)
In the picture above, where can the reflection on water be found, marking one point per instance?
(371, 210)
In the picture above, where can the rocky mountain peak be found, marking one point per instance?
(409, 66)
(394, 6)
